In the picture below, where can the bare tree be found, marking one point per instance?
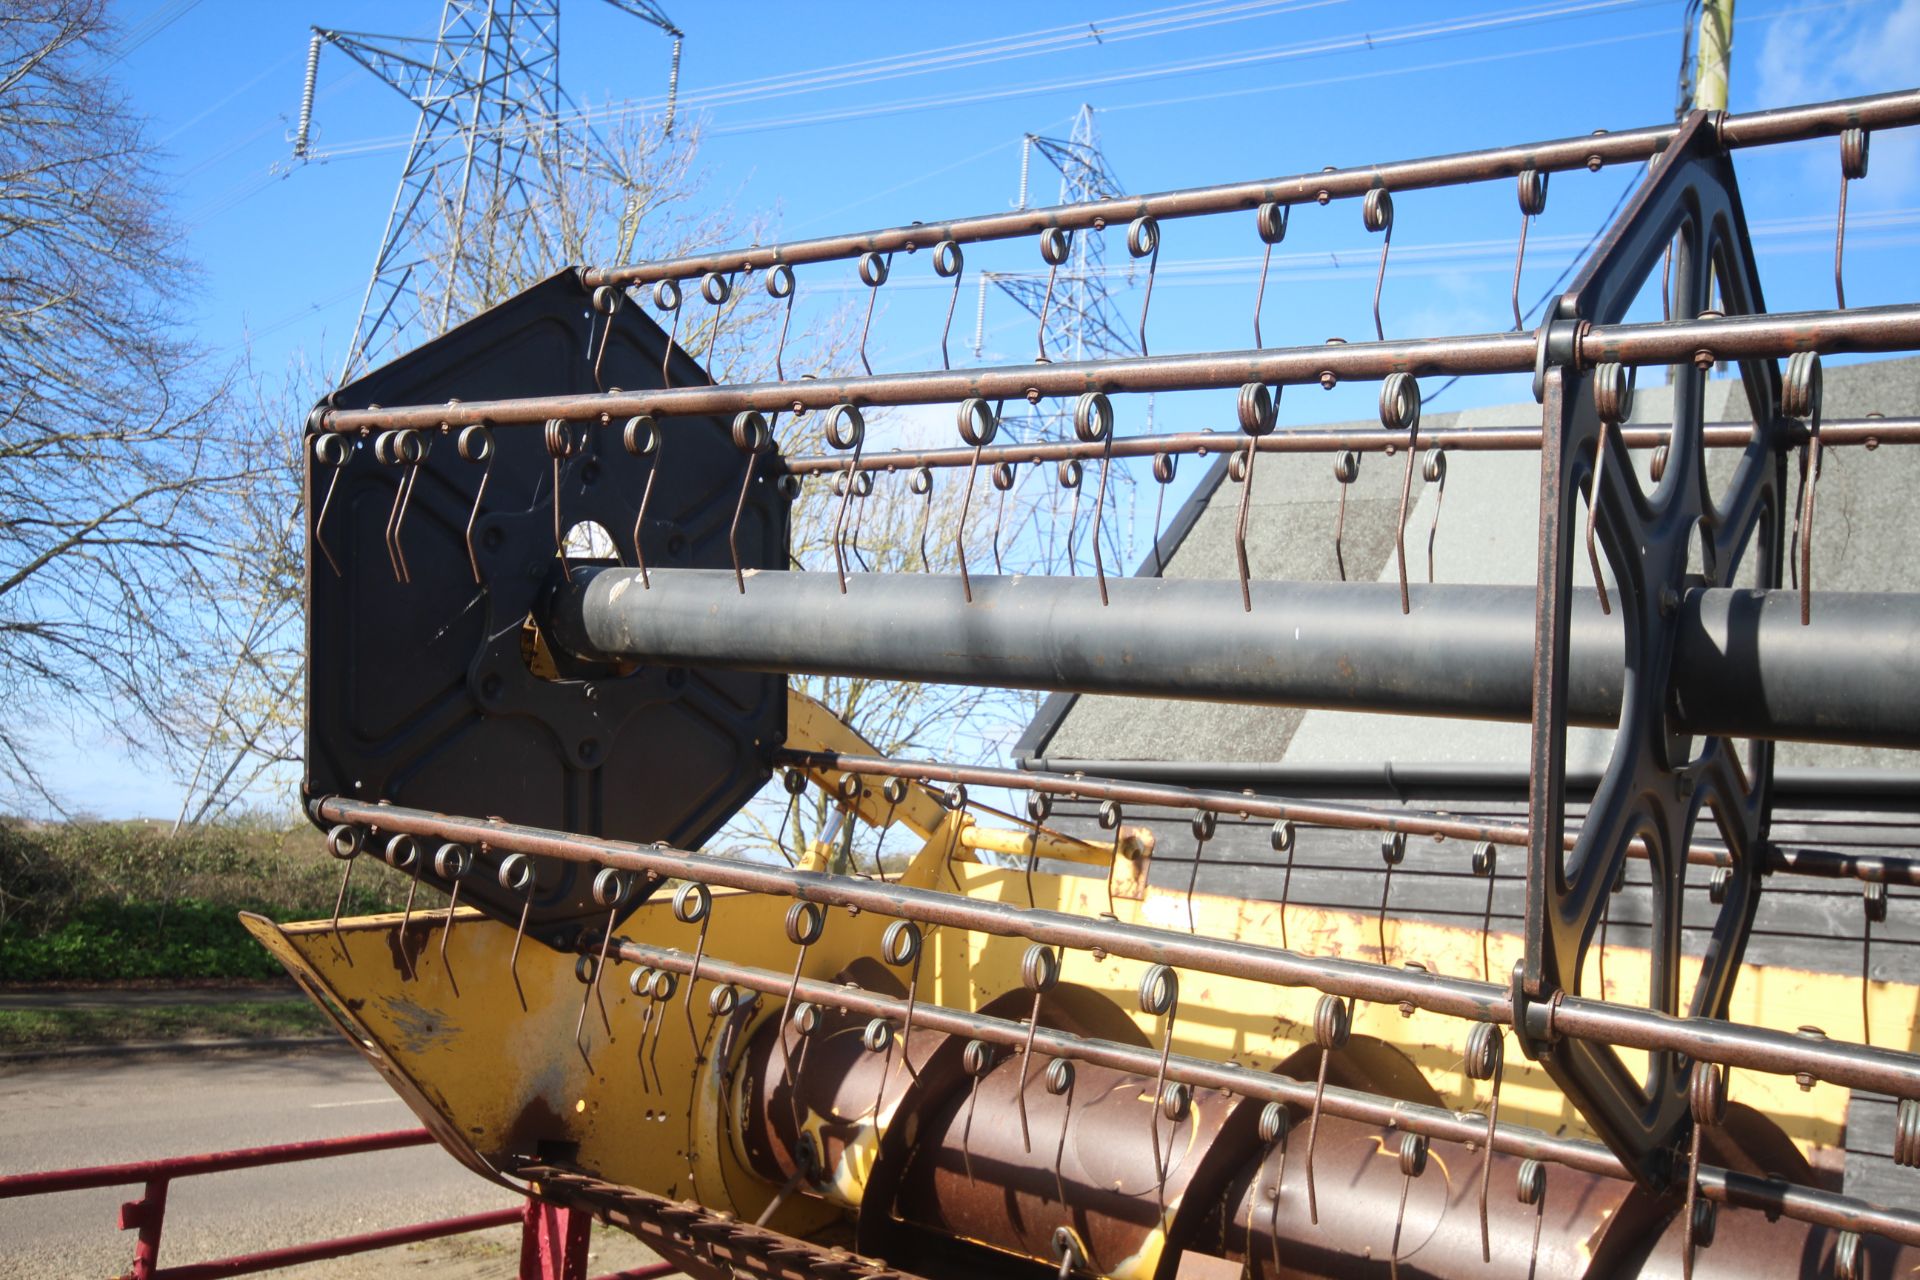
(110, 464)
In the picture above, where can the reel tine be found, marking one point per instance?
(1143, 241)
(1332, 1025)
(1055, 244)
(641, 438)
(1346, 469)
(1533, 202)
(1377, 213)
(873, 273)
(666, 297)
(1039, 971)
(1485, 1059)
(1434, 472)
(1271, 220)
(949, 261)
(1400, 411)
(1853, 164)
(780, 284)
(1393, 851)
(1093, 423)
(1413, 1163)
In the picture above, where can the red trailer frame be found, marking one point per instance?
(553, 1239)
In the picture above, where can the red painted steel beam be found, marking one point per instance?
(246, 1264)
(119, 1175)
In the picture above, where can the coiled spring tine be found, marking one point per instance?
(1393, 851)
(878, 1038)
(1258, 411)
(451, 862)
(403, 854)
(1332, 1025)
(1058, 1082)
(1853, 164)
(1486, 1055)
(979, 424)
(1484, 860)
(1204, 823)
(1413, 1163)
(664, 982)
(1707, 1101)
(607, 300)
(1271, 219)
(1276, 1122)
(1143, 241)
(779, 284)
(609, 890)
(1377, 213)
(1801, 391)
(1613, 401)
(1055, 244)
(334, 451)
(1400, 411)
(753, 437)
(949, 262)
(562, 443)
(717, 289)
(1039, 807)
(402, 449)
(921, 482)
(641, 438)
(1093, 424)
(795, 783)
(846, 430)
(874, 267)
(1039, 971)
(1282, 841)
(1530, 1186)
(900, 946)
(666, 297)
(1160, 998)
(345, 843)
(805, 922)
(1533, 202)
(516, 875)
(1434, 471)
(976, 1060)
(693, 904)
(1165, 467)
(1004, 477)
(1110, 816)
(1069, 472)
(1346, 469)
(1874, 897)
(475, 444)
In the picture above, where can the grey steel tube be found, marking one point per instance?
(1745, 666)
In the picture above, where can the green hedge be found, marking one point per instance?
(112, 941)
(111, 901)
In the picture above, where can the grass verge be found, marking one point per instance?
(240, 1020)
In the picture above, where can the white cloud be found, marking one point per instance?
(1810, 58)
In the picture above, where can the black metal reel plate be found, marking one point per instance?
(422, 693)
(1657, 783)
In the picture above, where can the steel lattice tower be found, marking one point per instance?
(1081, 320)
(491, 107)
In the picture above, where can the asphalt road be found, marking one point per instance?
(60, 1114)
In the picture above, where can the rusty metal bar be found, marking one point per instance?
(1870, 433)
(1837, 1062)
(1889, 328)
(1591, 151)
(1828, 864)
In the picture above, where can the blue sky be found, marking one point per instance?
(1184, 95)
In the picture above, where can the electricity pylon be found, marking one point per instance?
(490, 126)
